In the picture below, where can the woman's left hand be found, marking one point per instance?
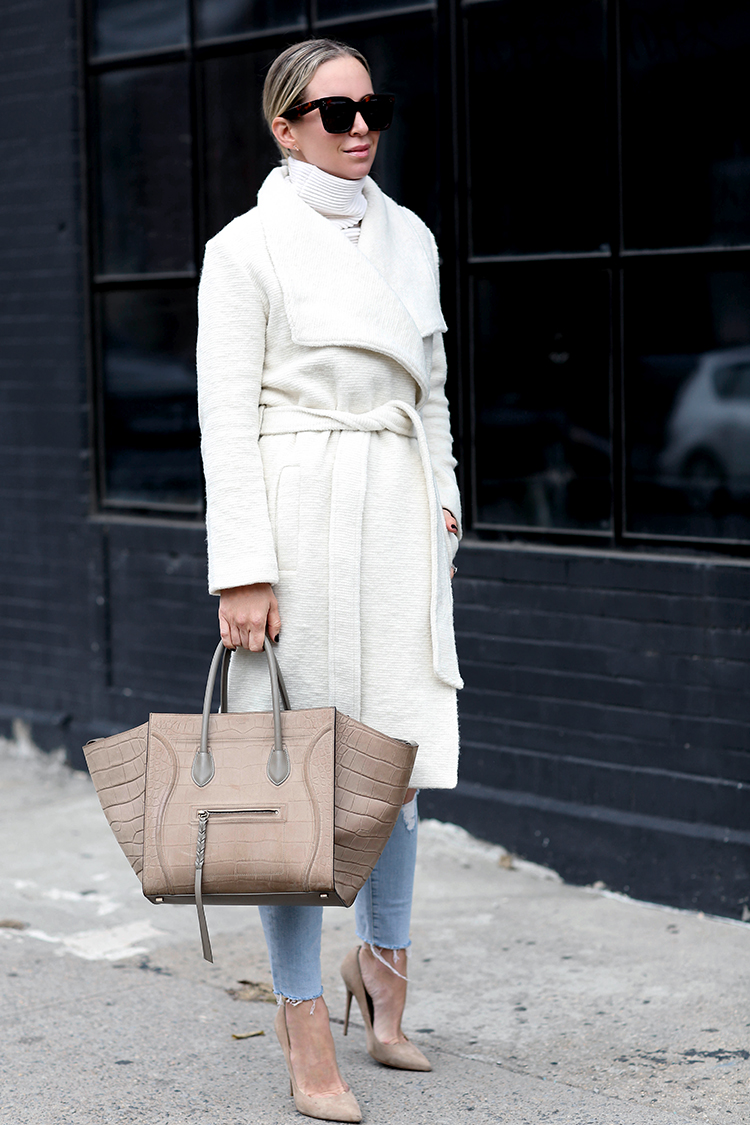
(452, 527)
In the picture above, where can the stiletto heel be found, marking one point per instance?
(324, 1107)
(403, 1056)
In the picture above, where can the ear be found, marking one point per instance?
(282, 131)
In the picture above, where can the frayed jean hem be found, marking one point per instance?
(382, 914)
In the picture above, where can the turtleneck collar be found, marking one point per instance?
(338, 200)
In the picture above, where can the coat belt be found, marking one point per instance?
(347, 510)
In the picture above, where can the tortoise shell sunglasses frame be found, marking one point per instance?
(338, 113)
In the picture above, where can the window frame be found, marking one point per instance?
(459, 265)
(618, 258)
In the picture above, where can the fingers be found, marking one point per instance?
(450, 521)
(231, 634)
(452, 525)
(244, 614)
(274, 620)
(226, 632)
(254, 628)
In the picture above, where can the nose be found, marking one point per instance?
(359, 125)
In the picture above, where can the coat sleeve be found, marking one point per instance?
(232, 317)
(436, 420)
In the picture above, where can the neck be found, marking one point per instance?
(337, 199)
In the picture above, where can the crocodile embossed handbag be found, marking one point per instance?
(251, 808)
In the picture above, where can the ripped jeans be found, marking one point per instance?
(382, 912)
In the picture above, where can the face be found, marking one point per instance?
(347, 155)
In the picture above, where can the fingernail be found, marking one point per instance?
(276, 638)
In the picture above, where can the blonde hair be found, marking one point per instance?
(292, 70)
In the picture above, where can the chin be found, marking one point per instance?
(356, 168)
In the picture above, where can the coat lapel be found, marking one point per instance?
(381, 296)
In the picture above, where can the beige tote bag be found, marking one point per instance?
(251, 808)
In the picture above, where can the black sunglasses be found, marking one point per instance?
(338, 113)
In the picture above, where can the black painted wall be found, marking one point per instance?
(605, 725)
(99, 622)
(45, 541)
(605, 719)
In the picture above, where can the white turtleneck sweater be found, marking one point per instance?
(338, 200)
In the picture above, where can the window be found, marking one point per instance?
(178, 147)
(607, 269)
(585, 165)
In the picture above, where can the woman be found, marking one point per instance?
(327, 456)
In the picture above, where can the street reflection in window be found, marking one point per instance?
(403, 64)
(686, 130)
(240, 151)
(138, 25)
(218, 18)
(542, 401)
(346, 9)
(537, 126)
(149, 405)
(688, 403)
(144, 156)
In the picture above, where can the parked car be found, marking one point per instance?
(708, 432)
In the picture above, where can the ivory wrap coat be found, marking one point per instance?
(327, 457)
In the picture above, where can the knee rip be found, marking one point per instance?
(409, 813)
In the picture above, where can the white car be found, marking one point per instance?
(708, 431)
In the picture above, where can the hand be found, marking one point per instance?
(452, 526)
(450, 521)
(245, 613)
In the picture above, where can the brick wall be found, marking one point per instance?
(605, 719)
(75, 659)
(44, 542)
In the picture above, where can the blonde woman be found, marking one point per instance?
(332, 505)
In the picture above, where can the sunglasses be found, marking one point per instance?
(338, 113)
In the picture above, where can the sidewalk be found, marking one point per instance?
(536, 1001)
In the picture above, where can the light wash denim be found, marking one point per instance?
(382, 912)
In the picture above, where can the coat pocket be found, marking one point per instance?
(287, 517)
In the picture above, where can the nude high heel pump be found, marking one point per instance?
(403, 1056)
(324, 1107)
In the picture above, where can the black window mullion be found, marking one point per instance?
(197, 144)
(158, 57)
(617, 417)
(453, 280)
(462, 270)
(329, 24)
(461, 181)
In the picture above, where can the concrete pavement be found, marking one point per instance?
(536, 1001)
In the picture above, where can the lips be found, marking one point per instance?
(360, 150)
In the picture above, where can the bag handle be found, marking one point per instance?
(279, 766)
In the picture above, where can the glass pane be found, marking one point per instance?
(145, 189)
(541, 388)
(536, 119)
(687, 401)
(343, 9)
(151, 440)
(240, 151)
(216, 18)
(403, 63)
(138, 25)
(686, 129)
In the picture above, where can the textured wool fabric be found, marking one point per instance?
(340, 201)
(327, 456)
